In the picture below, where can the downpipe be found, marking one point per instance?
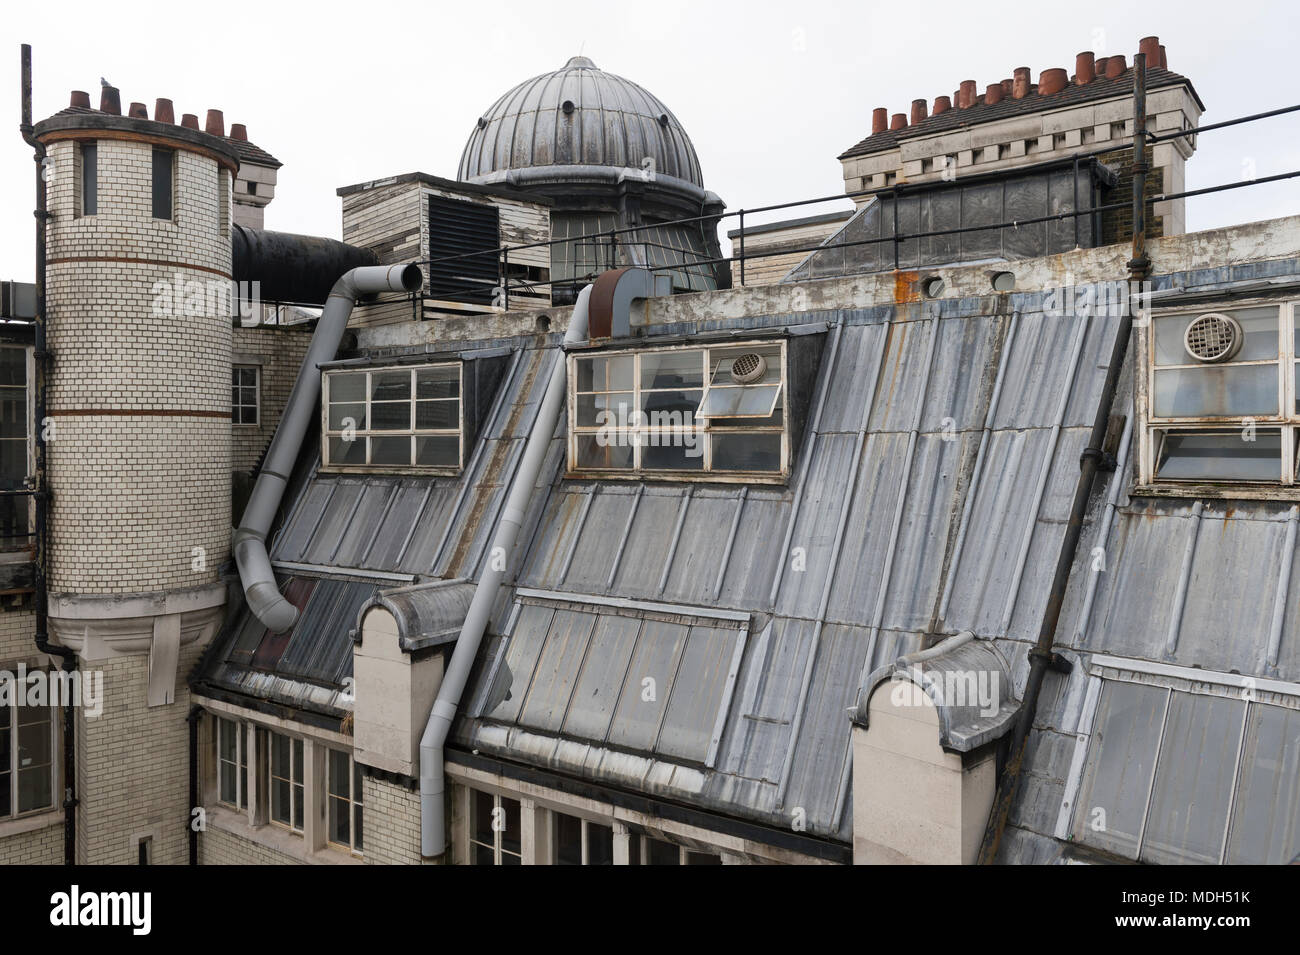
(249, 545)
(433, 823)
(41, 475)
(1042, 657)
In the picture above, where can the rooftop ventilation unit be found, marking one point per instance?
(1213, 337)
(748, 368)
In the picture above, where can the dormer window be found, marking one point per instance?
(386, 419)
(681, 411)
(1221, 396)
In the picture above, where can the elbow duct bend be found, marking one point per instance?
(249, 544)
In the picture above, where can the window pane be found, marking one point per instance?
(347, 415)
(1266, 817)
(703, 858)
(591, 454)
(605, 373)
(89, 179)
(1121, 758)
(747, 452)
(1220, 456)
(670, 408)
(35, 788)
(162, 183)
(1198, 760)
(437, 414)
(297, 806)
(600, 844)
(661, 853)
(390, 450)
(480, 824)
(339, 783)
(340, 830)
(279, 755)
(358, 841)
(755, 401)
(437, 451)
(280, 809)
(438, 382)
(297, 760)
(568, 840)
(510, 835)
(390, 386)
(1259, 328)
(347, 387)
(482, 855)
(1216, 391)
(342, 451)
(390, 416)
(609, 410)
(682, 369)
(683, 451)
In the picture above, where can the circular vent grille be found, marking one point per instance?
(748, 368)
(1213, 337)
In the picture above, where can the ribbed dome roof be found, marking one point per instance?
(579, 115)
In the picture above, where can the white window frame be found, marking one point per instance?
(706, 429)
(1174, 679)
(498, 851)
(412, 433)
(585, 852)
(257, 395)
(297, 784)
(1287, 421)
(15, 811)
(355, 802)
(240, 763)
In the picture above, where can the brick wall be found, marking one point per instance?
(219, 847)
(278, 351)
(42, 846)
(139, 393)
(133, 766)
(1117, 224)
(392, 823)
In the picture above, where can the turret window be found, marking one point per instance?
(164, 161)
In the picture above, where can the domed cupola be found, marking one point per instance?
(610, 157)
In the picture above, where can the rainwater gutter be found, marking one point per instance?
(433, 821)
(255, 572)
(1042, 656)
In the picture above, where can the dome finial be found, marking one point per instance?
(579, 63)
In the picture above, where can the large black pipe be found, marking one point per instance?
(292, 268)
(40, 475)
(1042, 656)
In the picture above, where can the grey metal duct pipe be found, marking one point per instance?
(433, 823)
(290, 267)
(255, 571)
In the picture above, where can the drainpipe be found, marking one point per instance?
(192, 718)
(40, 475)
(433, 823)
(1042, 657)
(260, 589)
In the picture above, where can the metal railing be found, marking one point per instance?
(612, 239)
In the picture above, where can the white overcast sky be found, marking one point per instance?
(770, 92)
